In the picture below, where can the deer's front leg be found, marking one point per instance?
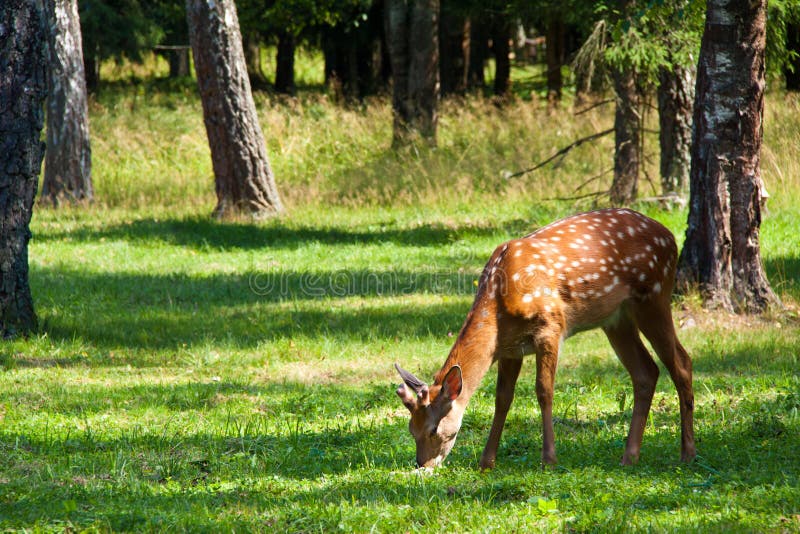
(546, 361)
(507, 373)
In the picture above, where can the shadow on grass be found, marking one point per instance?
(138, 311)
(200, 232)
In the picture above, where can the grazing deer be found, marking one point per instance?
(613, 269)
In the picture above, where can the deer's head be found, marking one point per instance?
(435, 414)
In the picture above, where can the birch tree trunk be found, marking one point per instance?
(722, 253)
(23, 88)
(68, 158)
(675, 105)
(244, 180)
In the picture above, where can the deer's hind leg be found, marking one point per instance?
(624, 337)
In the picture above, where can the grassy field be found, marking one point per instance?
(206, 376)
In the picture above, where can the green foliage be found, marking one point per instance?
(780, 14)
(117, 29)
(653, 34)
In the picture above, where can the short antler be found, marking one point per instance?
(418, 386)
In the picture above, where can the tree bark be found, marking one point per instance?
(244, 180)
(23, 89)
(501, 35)
(554, 42)
(454, 47)
(626, 138)
(675, 105)
(721, 253)
(68, 159)
(412, 37)
(284, 64)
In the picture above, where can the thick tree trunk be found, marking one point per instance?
(554, 42)
(244, 180)
(501, 35)
(675, 105)
(721, 253)
(23, 89)
(626, 138)
(793, 45)
(453, 49)
(478, 53)
(284, 61)
(68, 163)
(412, 37)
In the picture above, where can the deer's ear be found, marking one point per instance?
(452, 383)
(407, 397)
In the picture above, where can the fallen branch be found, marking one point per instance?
(562, 152)
(579, 197)
(593, 178)
(595, 105)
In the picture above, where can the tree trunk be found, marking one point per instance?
(284, 69)
(91, 70)
(244, 180)
(252, 59)
(412, 36)
(626, 138)
(721, 253)
(23, 89)
(554, 43)
(501, 35)
(793, 45)
(478, 52)
(179, 63)
(68, 163)
(453, 50)
(675, 105)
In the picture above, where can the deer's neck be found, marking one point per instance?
(474, 348)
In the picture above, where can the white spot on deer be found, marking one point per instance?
(620, 235)
(587, 237)
(651, 264)
(547, 308)
(642, 277)
(609, 288)
(527, 298)
(573, 245)
(558, 265)
(631, 231)
(555, 238)
(537, 293)
(515, 277)
(603, 268)
(530, 268)
(648, 248)
(657, 287)
(536, 256)
(666, 269)
(562, 276)
(550, 272)
(579, 241)
(518, 253)
(562, 258)
(575, 264)
(603, 242)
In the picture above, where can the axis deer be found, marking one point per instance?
(613, 269)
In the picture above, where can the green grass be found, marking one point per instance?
(199, 375)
